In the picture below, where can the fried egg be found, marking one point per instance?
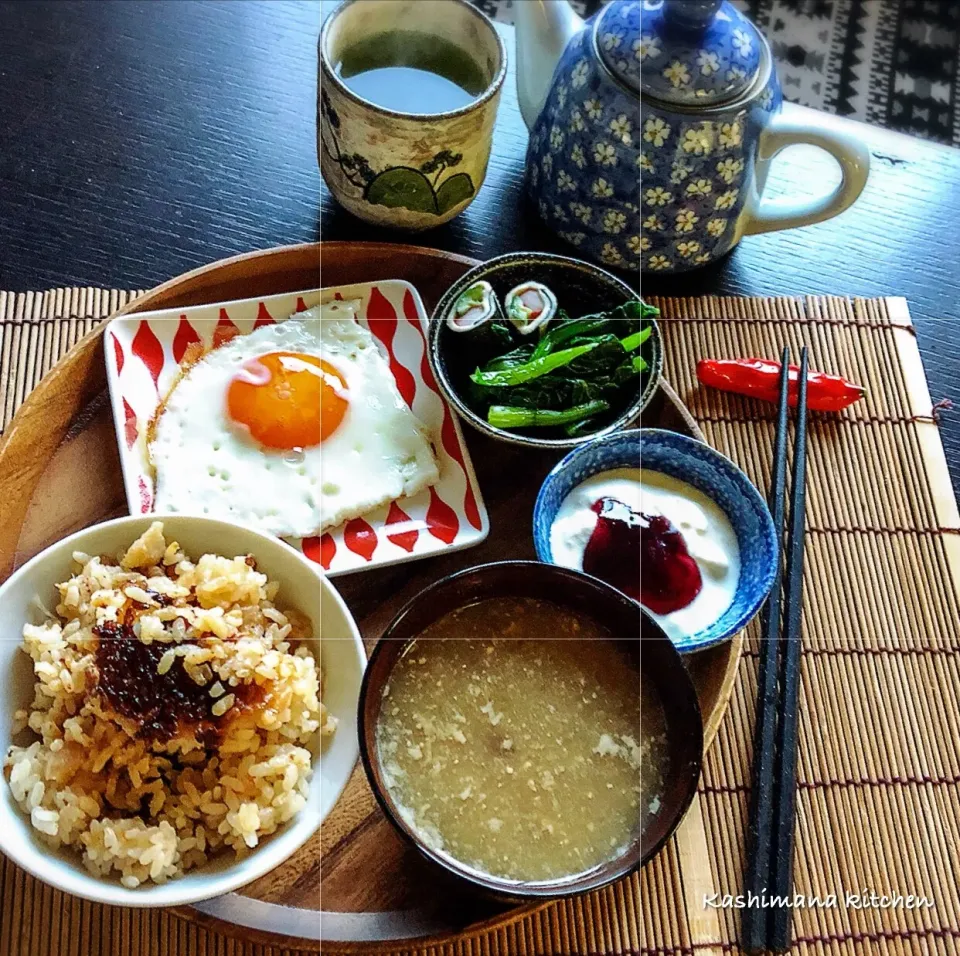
(242, 433)
(239, 435)
(375, 449)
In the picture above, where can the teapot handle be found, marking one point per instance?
(852, 156)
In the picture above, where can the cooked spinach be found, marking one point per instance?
(535, 368)
(510, 416)
(580, 369)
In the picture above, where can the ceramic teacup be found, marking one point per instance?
(409, 170)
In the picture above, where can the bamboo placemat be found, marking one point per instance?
(878, 809)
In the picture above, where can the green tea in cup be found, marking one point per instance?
(411, 72)
(406, 104)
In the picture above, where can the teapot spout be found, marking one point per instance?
(544, 28)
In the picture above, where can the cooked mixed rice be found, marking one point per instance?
(175, 705)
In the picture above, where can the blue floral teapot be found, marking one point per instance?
(652, 127)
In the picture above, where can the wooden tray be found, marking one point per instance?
(59, 471)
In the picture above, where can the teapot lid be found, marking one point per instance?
(682, 52)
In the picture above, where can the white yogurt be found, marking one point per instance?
(706, 530)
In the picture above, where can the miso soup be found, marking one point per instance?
(510, 738)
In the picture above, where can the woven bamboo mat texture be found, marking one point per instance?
(879, 807)
(879, 751)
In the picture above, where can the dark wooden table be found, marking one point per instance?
(142, 139)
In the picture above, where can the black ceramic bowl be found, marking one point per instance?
(581, 289)
(661, 666)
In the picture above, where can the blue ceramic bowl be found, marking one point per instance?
(696, 463)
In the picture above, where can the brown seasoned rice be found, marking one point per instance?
(144, 798)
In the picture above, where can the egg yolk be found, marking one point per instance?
(287, 400)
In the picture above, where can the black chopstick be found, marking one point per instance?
(778, 936)
(754, 923)
(769, 871)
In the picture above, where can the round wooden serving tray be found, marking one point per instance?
(59, 472)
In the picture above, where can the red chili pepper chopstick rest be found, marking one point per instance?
(758, 378)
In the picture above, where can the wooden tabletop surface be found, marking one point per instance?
(143, 139)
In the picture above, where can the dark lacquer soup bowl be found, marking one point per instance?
(639, 641)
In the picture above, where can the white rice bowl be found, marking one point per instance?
(291, 806)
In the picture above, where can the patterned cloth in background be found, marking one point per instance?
(893, 63)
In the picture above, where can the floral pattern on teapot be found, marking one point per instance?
(636, 187)
(696, 176)
(583, 161)
(694, 67)
(651, 143)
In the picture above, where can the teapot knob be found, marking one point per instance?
(690, 15)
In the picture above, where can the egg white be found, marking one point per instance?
(380, 451)
(205, 464)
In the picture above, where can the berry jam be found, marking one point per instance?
(644, 556)
(613, 551)
(669, 576)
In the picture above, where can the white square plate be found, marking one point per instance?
(143, 353)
